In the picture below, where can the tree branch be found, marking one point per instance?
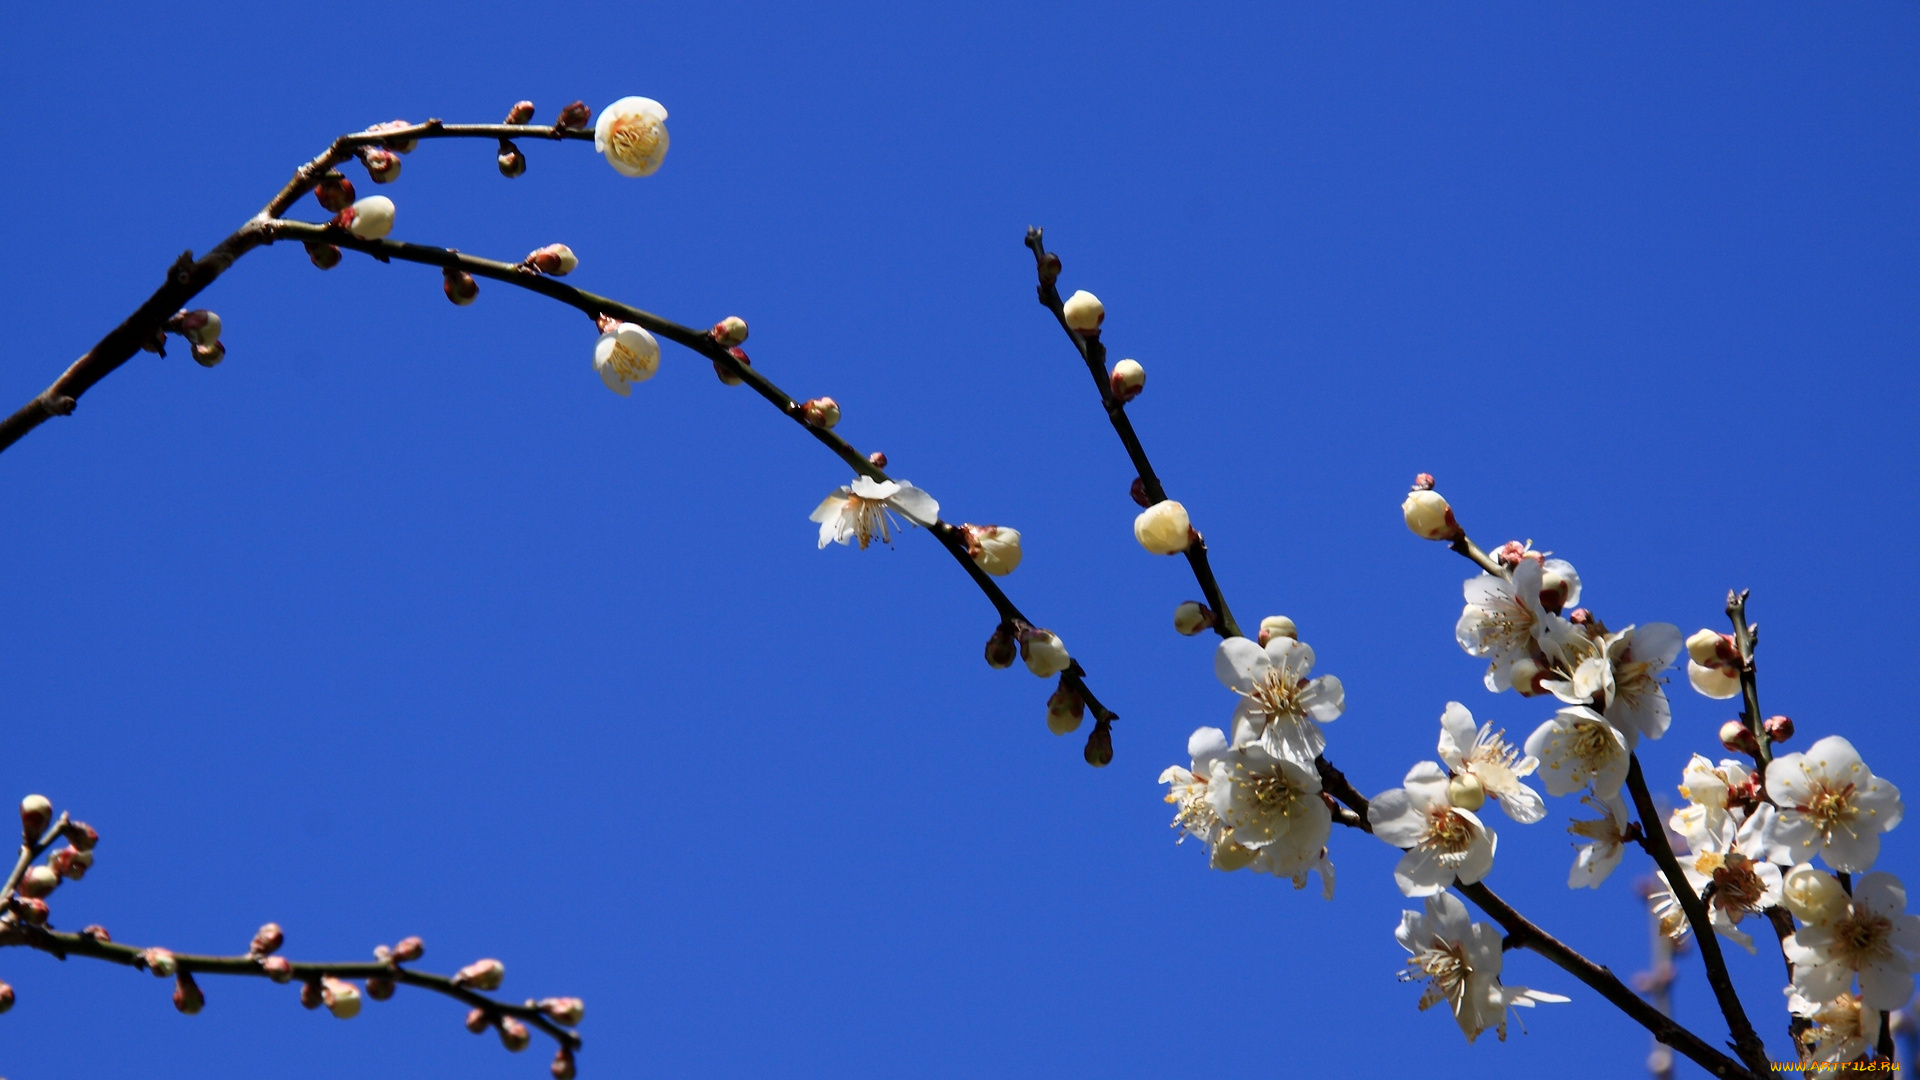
(1745, 638)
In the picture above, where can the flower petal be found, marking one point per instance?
(1238, 662)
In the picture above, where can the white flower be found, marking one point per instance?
(1840, 1032)
(1734, 860)
(1443, 843)
(1608, 836)
(1272, 805)
(1505, 622)
(1875, 939)
(1460, 962)
(995, 548)
(1832, 806)
(864, 509)
(1278, 703)
(632, 132)
(1578, 747)
(625, 354)
(1084, 312)
(1713, 795)
(1626, 669)
(370, 218)
(1046, 655)
(1187, 789)
(1486, 756)
(1163, 528)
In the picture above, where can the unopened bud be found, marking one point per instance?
(36, 813)
(481, 975)
(160, 962)
(1583, 617)
(267, 940)
(71, 863)
(199, 326)
(383, 165)
(1466, 792)
(731, 330)
(1049, 268)
(310, 995)
(514, 1034)
(521, 112)
(1045, 654)
(1099, 750)
(877, 459)
(186, 994)
(1274, 626)
(341, 998)
(995, 548)
(32, 909)
(1163, 528)
(1813, 895)
(1192, 617)
(1779, 728)
(1002, 648)
(1065, 710)
(555, 259)
(459, 286)
(1526, 676)
(563, 1067)
(210, 355)
(1714, 682)
(379, 987)
(409, 949)
(39, 881)
(564, 1010)
(334, 191)
(1510, 553)
(278, 968)
(96, 932)
(575, 115)
(511, 161)
(1127, 380)
(6, 997)
(1137, 491)
(821, 412)
(1423, 482)
(477, 1021)
(1429, 516)
(1709, 649)
(397, 145)
(324, 256)
(370, 218)
(1554, 591)
(1084, 313)
(81, 835)
(1735, 735)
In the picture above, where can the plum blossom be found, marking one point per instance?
(1460, 962)
(1273, 807)
(1868, 935)
(1624, 671)
(864, 510)
(1735, 860)
(1444, 843)
(625, 353)
(632, 133)
(1505, 622)
(1487, 756)
(1187, 790)
(1832, 806)
(1578, 747)
(1607, 837)
(1714, 794)
(1279, 704)
(1840, 1030)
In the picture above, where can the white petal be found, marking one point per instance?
(1419, 873)
(1324, 698)
(1522, 804)
(916, 505)
(1395, 819)
(1881, 894)
(1457, 733)
(1238, 662)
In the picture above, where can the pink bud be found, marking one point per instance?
(1099, 751)
(81, 835)
(878, 459)
(335, 192)
(310, 996)
(521, 112)
(186, 994)
(1779, 729)
(1049, 268)
(379, 988)
(210, 355)
(36, 813)
(564, 1010)
(731, 330)
(1581, 617)
(401, 146)
(267, 940)
(459, 286)
(160, 962)
(1735, 735)
(1127, 380)
(477, 1021)
(1002, 649)
(514, 1034)
(278, 968)
(727, 377)
(555, 259)
(324, 256)
(6, 1000)
(481, 975)
(62, 864)
(1423, 482)
(39, 881)
(821, 412)
(563, 1067)
(31, 909)
(575, 115)
(410, 948)
(1138, 493)
(97, 933)
(511, 161)
(383, 165)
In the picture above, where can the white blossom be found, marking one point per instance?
(1279, 704)
(1714, 682)
(1735, 860)
(1840, 1030)
(1607, 838)
(632, 133)
(1273, 807)
(370, 218)
(624, 354)
(1578, 748)
(1486, 755)
(1873, 939)
(1460, 962)
(1443, 842)
(1194, 815)
(1713, 793)
(1505, 622)
(864, 510)
(1831, 805)
(1625, 670)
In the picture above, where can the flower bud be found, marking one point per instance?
(514, 1034)
(379, 987)
(481, 975)
(398, 146)
(563, 1067)
(727, 377)
(575, 116)
(38, 881)
(564, 1010)
(199, 326)
(1230, 856)
(1466, 792)
(625, 354)
(267, 940)
(1714, 682)
(36, 813)
(521, 112)
(341, 998)
(877, 459)
(1138, 493)
(6, 997)
(995, 548)
(1191, 617)
(555, 259)
(1127, 380)
(383, 165)
(410, 948)
(1554, 591)
(1510, 553)
(1735, 735)
(324, 256)
(1049, 268)
(632, 133)
(370, 218)
(96, 932)
(1274, 626)
(1526, 677)
(160, 962)
(1709, 649)
(1779, 728)
(32, 909)
(1429, 516)
(1065, 710)
(821, 412)
(1163, 528)
(1001, 647)
(729, 331)
(81, 835)
(477, 1021)
(1084, 313)
(1813, 895)
(1045, 654)
(310, 995)
(278, 968)
(459, 286)
(511, 161)
(186, 994)
(62, 864)
(334, 191)
(1099, 750)
(209, 355)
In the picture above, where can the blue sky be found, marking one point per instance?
(398, 622)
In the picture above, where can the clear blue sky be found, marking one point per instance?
(398, 622)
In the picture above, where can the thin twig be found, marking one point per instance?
(1745, 639)
(29, 851)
